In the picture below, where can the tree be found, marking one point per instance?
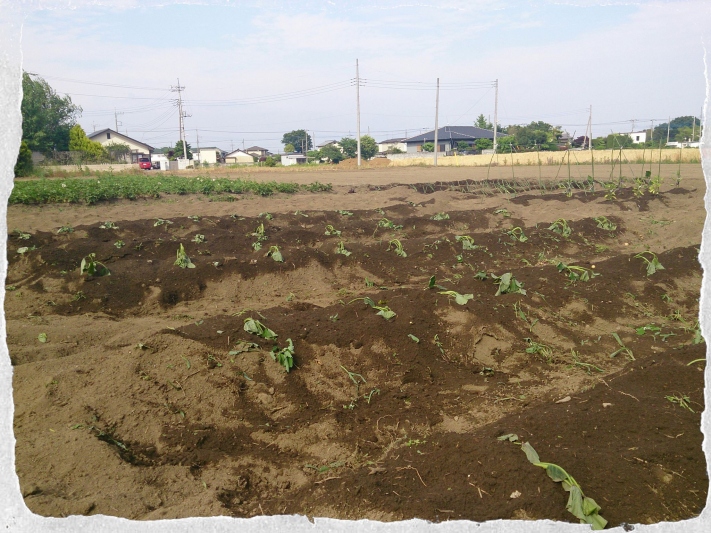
(615, 141)
(23, 166)
(484, 144)
(79, 142)
(46, 116)
(349, 147)
(117, 151)
(428, 147)
(178, 150)
(368, 147)
(288, 148)
(482, 123)
(505, 144)
(297, 139)
(332, 153)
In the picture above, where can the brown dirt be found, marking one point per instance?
(134, 406)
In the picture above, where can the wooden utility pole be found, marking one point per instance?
(668, 128)
(116, 121)
(496, 110)
(358, 110)
(436, 139)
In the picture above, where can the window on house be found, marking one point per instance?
(441, 148)
(638, 137)
(419, 147)
(108, 134)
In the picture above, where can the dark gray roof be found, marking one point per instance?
(95, 133)
(456, 133)
(325, 143)
(255, 148)
(391, 141)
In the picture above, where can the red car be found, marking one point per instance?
(144, 163)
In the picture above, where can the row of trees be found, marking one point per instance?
(300, 141)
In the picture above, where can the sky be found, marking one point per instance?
(252, 70)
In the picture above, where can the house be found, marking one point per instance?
(293, 159)
(108, 136)
(257, 151)
(448, 138)
(239, 157)
(636, 136)
(327, 143)
(391, 144)
(209, 155)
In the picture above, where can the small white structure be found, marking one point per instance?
(209, 154)
(636, 136)
(389, 144)
(108, 136)
(161, 159)
(293, 159)
(239, 157)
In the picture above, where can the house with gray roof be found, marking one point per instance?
(448, 137)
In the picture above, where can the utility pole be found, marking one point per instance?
(436, 123)
(116, 121)
(668, 127)
(94, 125)
(590, 122)
(651, 133)
(197, 141)
(306, 141)
(693, 128)
(496, 109)
(358, 110)
(181, 116)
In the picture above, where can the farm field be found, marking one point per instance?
(424, 321)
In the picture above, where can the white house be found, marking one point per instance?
(108, 136)
(209, 154)
(636, 136)
(239, 157)
(257, 151)
(293, 159)
(389, 144)
(327, 143)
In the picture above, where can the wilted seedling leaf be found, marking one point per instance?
(330, 230)
(65, 229)
(341, 249)
(42, 337)
(397, 247)
(255, 326)
(182, 260)
(275, 254)
(413, 338)
(504, 212)
(440, 216)
(108, 225)
(433, 284)
(389, 224)
(508, 284)
(511, 437)
(561, 226)
(467, 242)
(653, 264)
(285, 356)
(268, 216)
(198, 238)
(91, 267)
(517, 234)
(344, 213)
(604, 223)
(461, 299)
(161, 222)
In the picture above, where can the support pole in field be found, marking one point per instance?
(496, 110)
(358, 110)
(589, 129)
(693, 129)
(436, 139)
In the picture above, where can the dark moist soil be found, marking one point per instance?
(633, 450)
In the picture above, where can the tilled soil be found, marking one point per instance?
(148, 400)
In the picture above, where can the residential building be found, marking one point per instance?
(636, 136)
(293, 159)
(448, 138)
(108, 136)
(389, 144)
(209, 155)
(327, 143)
(239, 157)
(257, 151)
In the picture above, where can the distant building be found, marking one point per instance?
(257, 151)
(636, 136)
(389, 144)
(327, 143)
(449, 137)
(108, 136)
(293, 159)
(209, 154)
(239, 157)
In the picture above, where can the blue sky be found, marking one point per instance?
(630, 61)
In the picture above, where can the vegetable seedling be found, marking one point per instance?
(508, 284)
(161, 222)
(397, 247)
(108, 225)
(330, 230)
(341, 249)
(182, 260)
(198, 238)
(517, 234)
(461, 299)
(389, 224)
(440, 216)
(433, 284)
(383, 310)
(21, 235)
(92, 267)
(653, 264)
(467, 242)
(275, 254)
(413, 338)
(256, 327)
(623, 349)
(285, 356)
(681, 400)
(561, 227)
(344, 213)
(119, 244)
(604, 223)
(576, 273)
(267, 216)
(65, 229)
(504, 212)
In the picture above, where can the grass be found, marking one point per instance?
(108, 186)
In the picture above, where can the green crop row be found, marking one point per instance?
(112, 187)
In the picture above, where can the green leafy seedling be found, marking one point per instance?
(330, 230)
(344, 213)
(389, 224)
(504, 212)
(508, 284)
(583, 508)
(433, 284)
(119, 244)
(108, 225)
(92, 267)
(413, 338)
(517, 234)
(561, 227)
(285, 356)
(604, 223)
(576, 273)
(65, 229)
(161, 222)
(623, 349)
(682, 400)
(461, 299)
(199, 238)
(275, 254)
(467, 242)
(182, 260)
(653, 263)
(257, 328)
(267, 216)
(341, 249)
(397, 247)
(440, 216)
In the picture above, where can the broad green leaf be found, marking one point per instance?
(386, 313)
(590, 506)
(23, 249)
(462, 299)
(530, 453)
(42, 337)
(575, 503)
(511, 437)
(413, 338)
(556, 473)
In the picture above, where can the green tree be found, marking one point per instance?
(484, 144)
(23, 166)
(46, 116)
(462, 146)
(117, 151)
(684, 134)
(368, 147)
(615, 141)
(660, 132)
(482, 123)
(298, 138)
(428, 147)
(288, 148)
(79, 142)
(349, 147)
(505, 144)
(178, 150)
(332, 153)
